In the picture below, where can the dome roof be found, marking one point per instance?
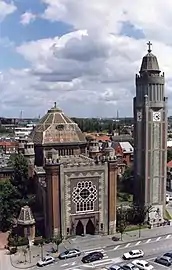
(25, 216)
(57, 128)
(149, 62)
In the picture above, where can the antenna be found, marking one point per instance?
(21, 114)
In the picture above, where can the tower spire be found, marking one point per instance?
(149, 47)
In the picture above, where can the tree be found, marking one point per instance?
(140, 212)
(122, 220)
(57, 240)
(169, 155)
(20, 176)
(8, 204)
(126, 181)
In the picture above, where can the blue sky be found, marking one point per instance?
(16, 33)
(78, 52)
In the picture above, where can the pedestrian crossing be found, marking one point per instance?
(106, 261)
(143, 242)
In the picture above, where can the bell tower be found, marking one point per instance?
(150, 136)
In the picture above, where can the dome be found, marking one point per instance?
(55, 127)
(149, 62)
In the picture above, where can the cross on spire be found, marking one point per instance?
(55, 105)
(149, 46)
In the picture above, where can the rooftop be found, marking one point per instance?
(126, 147)
(57, 128)
(26, 216)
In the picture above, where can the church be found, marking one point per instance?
(76, 188)
(77, 193)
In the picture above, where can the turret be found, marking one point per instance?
(94, 149)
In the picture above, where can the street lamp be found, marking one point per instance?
(30, 244)
(42, 251)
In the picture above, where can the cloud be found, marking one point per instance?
(6, 9)
(27, 18)
(90, 71)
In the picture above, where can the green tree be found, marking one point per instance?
(122, 220)
(8, 204)
(140, 213)
(20, 176)
(126, 182)
(57, 240)
(169, 155)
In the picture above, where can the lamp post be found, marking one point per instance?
(30, 244)
(42, 251)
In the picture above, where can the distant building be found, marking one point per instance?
(126, 151)
(8, 147)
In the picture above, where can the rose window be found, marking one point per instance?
(84, 195)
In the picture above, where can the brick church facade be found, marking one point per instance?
(77, 194)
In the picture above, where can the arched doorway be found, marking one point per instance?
(90, 229)
(79, 228)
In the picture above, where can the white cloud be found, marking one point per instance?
(90, 71)
(6, 9)
(27, 18)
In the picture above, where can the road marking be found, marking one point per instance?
(158, 239)
(168, 236)
(102, 262)
(148, 241)
(63, 265)
(161, 265)
(116, 247)
(99, 249)
(117, 260)
(138, 243)
(128, 245)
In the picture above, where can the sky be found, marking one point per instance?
(81, 54)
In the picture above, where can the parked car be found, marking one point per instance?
(115, 238)
(129, 266)
(133, 254)
(164, 260)
(91, 257)
(141, 264)
(70, 253)
(115, 267)
(168, 254)
(45, 261)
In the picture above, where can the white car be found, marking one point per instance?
(133, 254)
(141, 264)
(45, 261)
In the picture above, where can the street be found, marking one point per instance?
(152, 248)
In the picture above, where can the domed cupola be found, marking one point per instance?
(149, 62)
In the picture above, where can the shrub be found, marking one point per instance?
(47, 241)
(38, 242)
(17, 241)
(13, 250)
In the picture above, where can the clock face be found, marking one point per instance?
(139, 116)
(156, 116)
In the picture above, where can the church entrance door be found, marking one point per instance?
(90, 228)
(79, 228)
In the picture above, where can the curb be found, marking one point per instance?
(17, 267)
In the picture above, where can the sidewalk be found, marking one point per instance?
(31, 258)
(83, 243)
(98, 241)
